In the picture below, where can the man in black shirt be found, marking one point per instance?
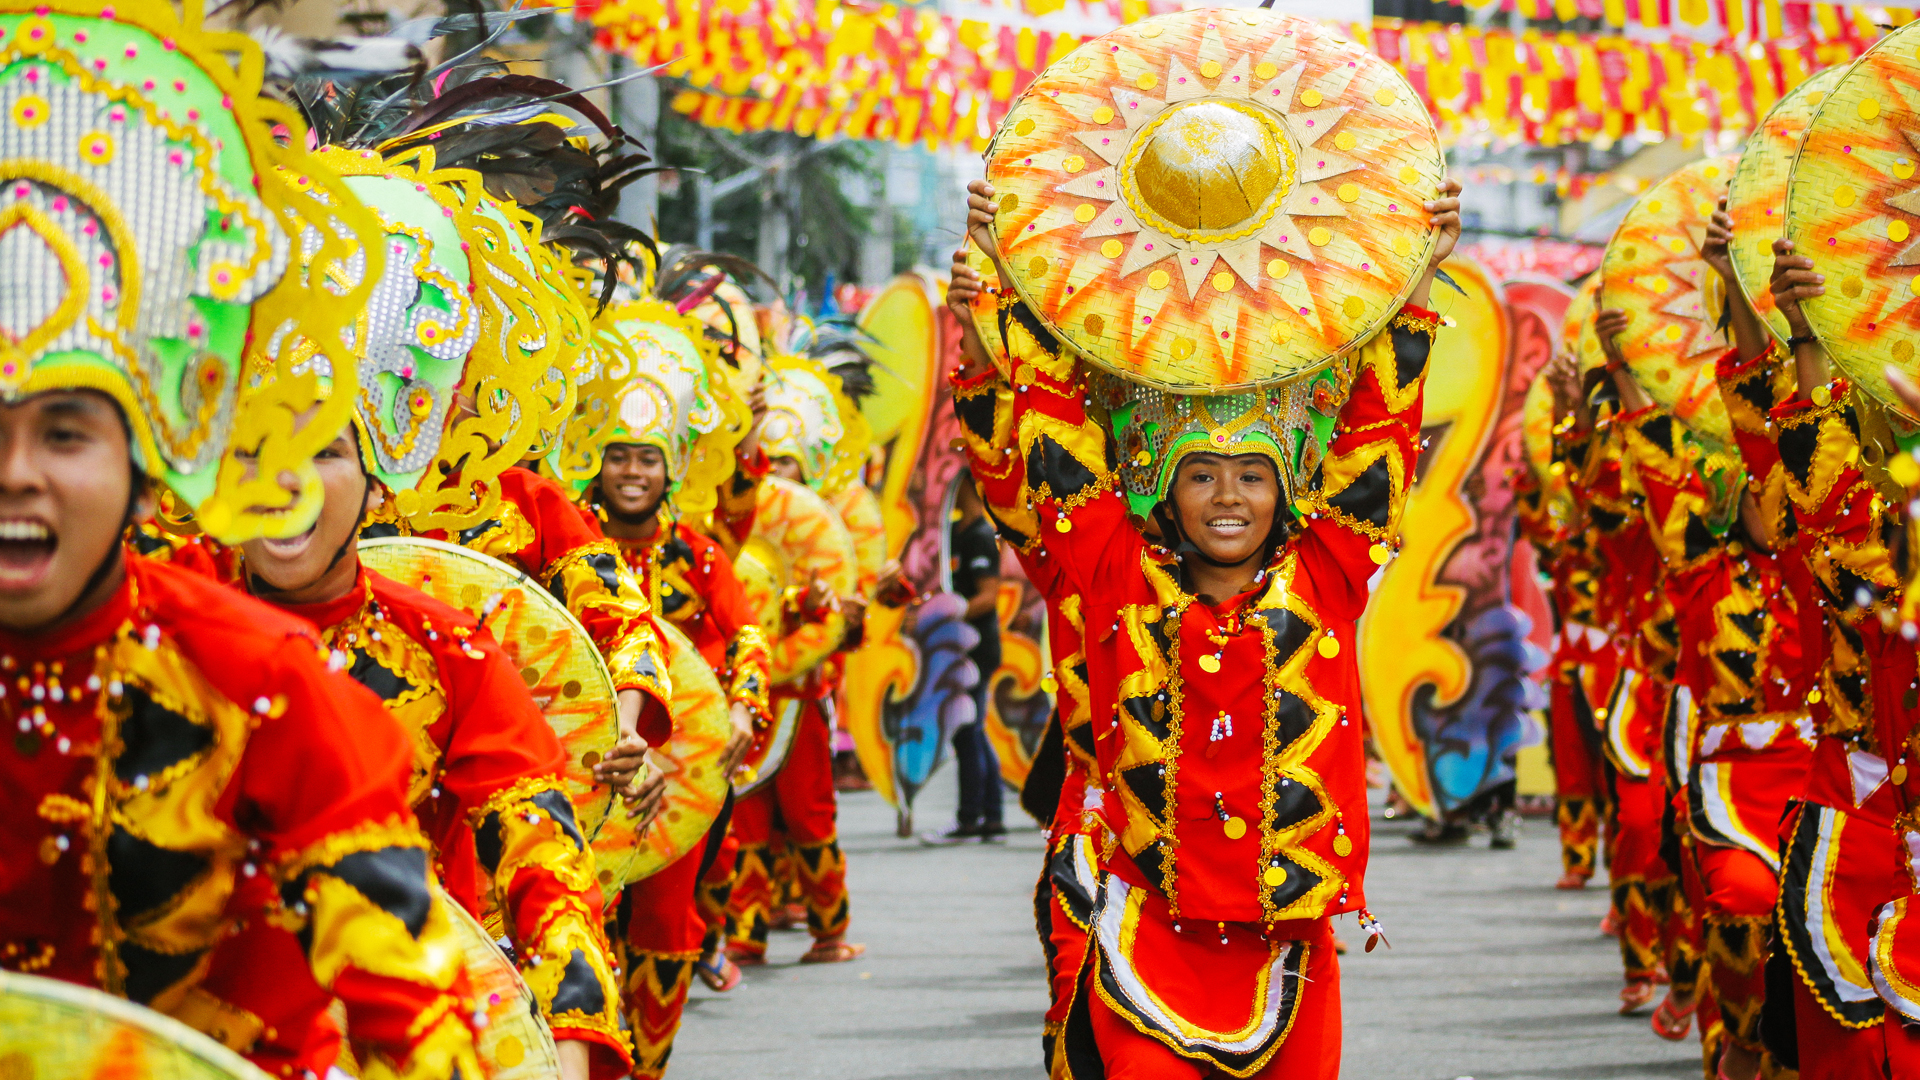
(975, 575)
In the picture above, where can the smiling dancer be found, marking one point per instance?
(1248, 603)
(676, 425)
(174, 741)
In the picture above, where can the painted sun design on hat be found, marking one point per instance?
(1853, 206)
(1215, 199)
(1757, 193)
(1654, 271)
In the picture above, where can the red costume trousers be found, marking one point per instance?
(664, 933)
(1577, 779)
(716, 889)
(801, 797)
(1311, 1050)
(1740, 893)
(1638, 874)
(1062, 909)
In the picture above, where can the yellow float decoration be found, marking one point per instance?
(1404, 653)
(1023, 666)
(1216, 199)
(904, 322)
(1853, 206)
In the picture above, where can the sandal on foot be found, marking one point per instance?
(1571, 880)
(745, 957)
(1670, 1021)
(1636, 995)
(1609, 925)
(832, 952)
(720, 976)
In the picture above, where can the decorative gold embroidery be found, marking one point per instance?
(418, 704)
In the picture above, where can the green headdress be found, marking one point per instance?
(147, 212)
(1288, 423)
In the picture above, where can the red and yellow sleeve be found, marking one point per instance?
(998, 428)
(749, 665)
(1832, 498)
(327, 795)
(1354, 502)
(1659, 460)
(502, 766)
(1752, 390)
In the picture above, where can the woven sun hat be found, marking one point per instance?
(1757, 193)
(1653, 270)
(1853, 206)
(1215, 200)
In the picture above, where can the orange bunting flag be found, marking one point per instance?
(910, 75)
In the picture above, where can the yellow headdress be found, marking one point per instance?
(480, 278)
(810, 419)
(665, 386)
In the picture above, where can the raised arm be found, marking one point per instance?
(1353, 503)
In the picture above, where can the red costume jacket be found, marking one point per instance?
(485, 787)
(1739, 646)
(181, 743)
(1628, 604)
(540, 530)
(689, 580)
(1869, 685)
(1865, 688)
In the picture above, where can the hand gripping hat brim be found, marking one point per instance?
(1216, 199)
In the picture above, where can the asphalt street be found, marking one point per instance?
(1492, 974)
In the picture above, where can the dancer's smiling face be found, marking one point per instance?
(318, 564)
(66, 482)
(633, 481)
(1225, 504)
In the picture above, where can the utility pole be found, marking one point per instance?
(703, 211)
(775, 225)
(636, 108)
(876, 249)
